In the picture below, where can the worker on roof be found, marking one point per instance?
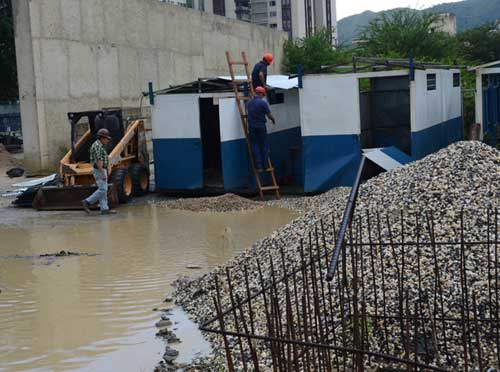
(100, 160)
(259, 73)
(257, 111)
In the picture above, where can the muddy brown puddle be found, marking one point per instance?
(94, 313)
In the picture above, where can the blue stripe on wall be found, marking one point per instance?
(178, 164)
(436, 137)
(236, 168)
(330, 161)
(286, 156)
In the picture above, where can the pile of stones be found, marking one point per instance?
(465, 177)
(219, 204)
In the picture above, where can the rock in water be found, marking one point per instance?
(170, 355)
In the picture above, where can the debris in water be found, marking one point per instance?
(51, 255)
(194, 267)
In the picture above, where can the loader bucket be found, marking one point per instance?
(54, 198)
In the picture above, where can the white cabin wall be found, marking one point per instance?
(330, 105)
(176, 116)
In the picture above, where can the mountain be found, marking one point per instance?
(470, 14)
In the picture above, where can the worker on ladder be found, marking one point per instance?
(257, 111)
(259, 73)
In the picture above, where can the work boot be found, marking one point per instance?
(108, 211)
(86, 206)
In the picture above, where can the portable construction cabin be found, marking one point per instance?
(488, 99)
(324, 122)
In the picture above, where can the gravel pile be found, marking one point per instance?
(223, 203)
(464, 176)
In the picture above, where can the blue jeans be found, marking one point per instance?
(101, 194)
(260, 146)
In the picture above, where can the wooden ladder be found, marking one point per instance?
(240, 101)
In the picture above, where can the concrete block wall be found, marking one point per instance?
(76, 55)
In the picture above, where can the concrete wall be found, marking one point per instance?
(76, 55)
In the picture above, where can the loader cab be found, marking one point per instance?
(87, 124)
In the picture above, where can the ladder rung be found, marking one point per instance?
(269, 188)
(239, 63)
(265, 170)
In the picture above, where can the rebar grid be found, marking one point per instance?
(400, 298)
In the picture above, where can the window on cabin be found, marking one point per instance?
(431, 82)
(456, 79)
(275, 98)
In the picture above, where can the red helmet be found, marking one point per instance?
(103, 132)
(261, 90)
(268, 58)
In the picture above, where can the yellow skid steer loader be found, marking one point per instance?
(128, 165)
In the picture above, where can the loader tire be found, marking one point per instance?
(123, 184)
(140, 179)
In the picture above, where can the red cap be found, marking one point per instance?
(261, 90)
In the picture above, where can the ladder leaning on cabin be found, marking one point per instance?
(240, 101)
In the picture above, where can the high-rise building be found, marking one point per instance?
(226, 8)
(299, 18)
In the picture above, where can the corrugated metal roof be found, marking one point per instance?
(274, 81)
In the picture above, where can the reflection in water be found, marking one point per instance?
(94, 313)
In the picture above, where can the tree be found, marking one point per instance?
(407, 33)
(312, 53)
(8, 68)
(480, 45)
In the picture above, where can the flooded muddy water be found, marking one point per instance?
(94, 313)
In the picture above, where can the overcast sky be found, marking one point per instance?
(346, 8)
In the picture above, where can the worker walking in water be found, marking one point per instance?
(100, 160)
(259, 73)
(258, 109)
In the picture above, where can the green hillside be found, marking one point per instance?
(470, 14)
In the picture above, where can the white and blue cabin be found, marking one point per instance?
(324, 122)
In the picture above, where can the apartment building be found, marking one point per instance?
(299, 18)
(226, 8)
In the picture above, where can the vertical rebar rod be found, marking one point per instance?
(372, 259)
(419, 277)
(235, 316)
(406, 337)
(438, 286)
(497, 302)
(415, 334)
(218, 308)
(462, 302)
(382, 271)
(358, 358)
(488, 247)
(266, 310)
(255, 358)
(249, 295)
(476, 327)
